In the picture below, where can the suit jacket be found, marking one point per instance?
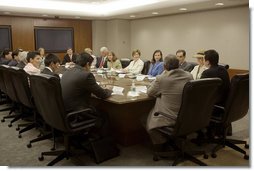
(21, 65)
(220, 72)
(68, 59)
(77, 87)
(186, 66)
(98, 62)
(167, 88)
(47, 71)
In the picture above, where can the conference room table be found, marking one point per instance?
(125, 112)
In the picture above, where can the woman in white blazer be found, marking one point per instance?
(136, 66)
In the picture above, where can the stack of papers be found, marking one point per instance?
(141, 89)
(121, 75)
(117, 90)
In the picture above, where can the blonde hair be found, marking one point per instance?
(22, 56)
(136, 51)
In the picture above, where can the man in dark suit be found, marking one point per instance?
(6, 57)
(102, 60)
(214, 70)
(52, 63)
(78, 83)
(181, 55)
(69, 57)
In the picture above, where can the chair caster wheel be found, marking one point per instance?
(53, 149)
(246, 146)
(41, 158)
(205, 156)
(246, 157)
(2, 120)
(213, 155)
(29, 145)
(20, 136)
(10, 125)
(155, 158)
(17, 129)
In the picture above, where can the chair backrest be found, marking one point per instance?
(20, 80)
(237, 104)
(198, 99)
(226, 66)
(125, 62)
(47, 94)
(146, 67)
(2, 84)
(8, 80)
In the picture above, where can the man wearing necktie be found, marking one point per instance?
(101, 61)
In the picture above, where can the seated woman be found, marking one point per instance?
(156, 66)
(136, 66)
(15, 58)
(33, 65)
(113, 62)
(198, 69)
(22, 60)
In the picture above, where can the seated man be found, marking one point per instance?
(52, 63)
(167, 88)
(78, 83)
(181, 55)
(6, 57)
(214, 70)
(70, 57)
(102, 60)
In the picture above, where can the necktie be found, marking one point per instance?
(102, 62)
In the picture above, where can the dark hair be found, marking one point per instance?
(212, 56)
(32, 55)
(83, 59)
(153, 60)
(51, 58)
(171, 62)
(6, 52)
(181, 50)
(15, 53)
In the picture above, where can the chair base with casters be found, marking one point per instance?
(180, 153)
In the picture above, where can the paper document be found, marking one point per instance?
(140, 77)
(141, 89)
(121, 75)
(133, 94)
(117, 90)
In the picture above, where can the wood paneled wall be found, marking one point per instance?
(233, 72)
(23, 31)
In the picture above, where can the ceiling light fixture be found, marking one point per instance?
(219, 4)
(77, 17)
(6, 12)
(132, 16)
(155, 13)
(82, 8)
(183, 9)
(44, 15)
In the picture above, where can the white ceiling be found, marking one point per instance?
(108, 9)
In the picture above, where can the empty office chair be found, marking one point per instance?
(47, 93)
(146, 67)
(198, 99)
(237, 106)
(125, 62)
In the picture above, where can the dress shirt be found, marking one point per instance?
(31, 69)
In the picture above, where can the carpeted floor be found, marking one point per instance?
(14, 153)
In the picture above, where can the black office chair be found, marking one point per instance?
(226, 66)
(146, 67)
(125, 62)
(237, 106)
(47, 93)
(198, 99)
(3, 92)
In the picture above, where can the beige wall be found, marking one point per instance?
(114, 34)
(225, 30)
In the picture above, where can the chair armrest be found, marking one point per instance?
(169, 116)
(217, 109)
(87, 123)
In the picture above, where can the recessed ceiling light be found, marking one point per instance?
(77, 17)
(182, 9)
(132, 16)
(155, 13)
(44, 15)
(219, 4)
(6, 12)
